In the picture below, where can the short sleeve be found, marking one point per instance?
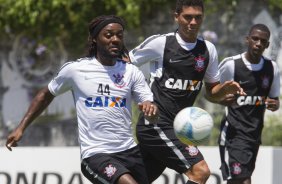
(62, 82)
(275, 87)
(212, 73)
(150, 50)
(140, 90)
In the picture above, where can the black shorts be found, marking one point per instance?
(105, 168)
(161, 148)
(238, 158)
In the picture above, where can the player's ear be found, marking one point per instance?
(176, 15)
(246, 40)
(267, 45)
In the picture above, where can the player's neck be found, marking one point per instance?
(107, 61)
(188, 38)
(252, 59)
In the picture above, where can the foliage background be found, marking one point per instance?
(67, 20)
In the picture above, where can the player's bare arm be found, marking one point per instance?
(38, 104)
(223, 93)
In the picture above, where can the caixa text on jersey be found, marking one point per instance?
(104, 101)
(190, 85)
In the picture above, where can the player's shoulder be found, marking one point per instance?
(274, 64)
(229, 60)
(157, 38)
(267, 59)
(75, 63)
(208, 43)
(160, 36)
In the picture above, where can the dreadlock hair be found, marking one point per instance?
(181, 3)
(94, 28)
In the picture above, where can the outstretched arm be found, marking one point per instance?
(38, 104)
(223, 94)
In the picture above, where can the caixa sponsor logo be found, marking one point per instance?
(41, 178)
(250, 100)
(180, 84)
(105, 101)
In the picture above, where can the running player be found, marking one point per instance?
(179, 63)
(103, 86)
(242, 125)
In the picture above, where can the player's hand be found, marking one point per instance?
(272, 104)
(13, 138)
(232, 87)
(149, 109)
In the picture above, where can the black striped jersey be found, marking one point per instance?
(102, 96)
(259, 81)
(177, 70)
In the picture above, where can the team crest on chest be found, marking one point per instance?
(200, 63)
(119, 80)
(265, 82)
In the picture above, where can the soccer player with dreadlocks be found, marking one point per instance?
(103, 86)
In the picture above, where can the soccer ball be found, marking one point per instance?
(193, 125)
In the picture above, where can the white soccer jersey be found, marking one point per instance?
(102, 96)
(153, 50)
(226, 68)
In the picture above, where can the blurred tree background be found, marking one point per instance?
(67, 20)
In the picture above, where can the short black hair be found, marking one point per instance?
(181, 3)
(261, 27)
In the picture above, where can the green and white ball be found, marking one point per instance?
(193, 125)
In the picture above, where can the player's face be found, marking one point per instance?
(189, 22)
(110, 41)
(257, 42)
